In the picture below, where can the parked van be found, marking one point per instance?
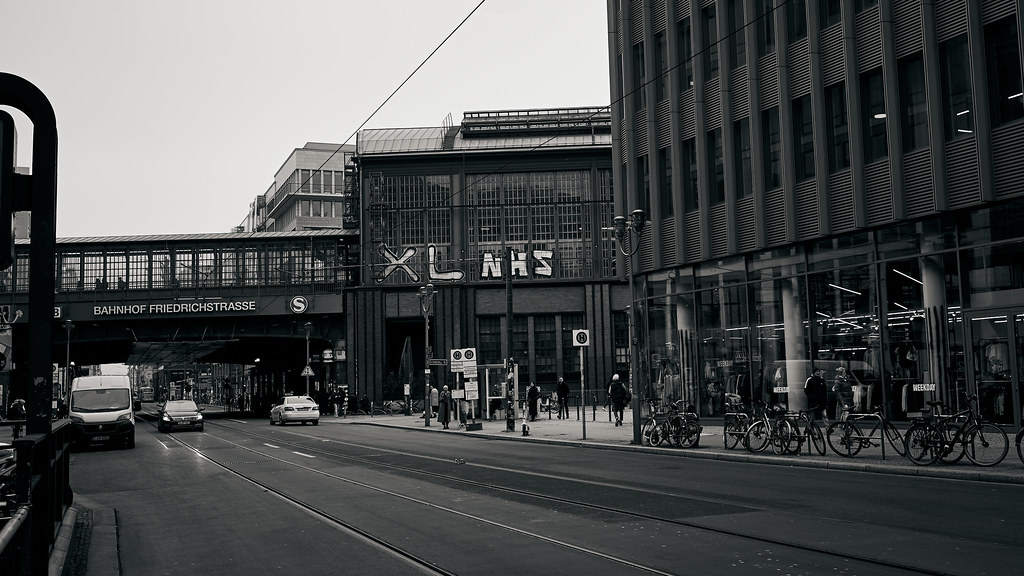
(101, 410)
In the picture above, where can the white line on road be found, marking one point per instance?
(303, 455)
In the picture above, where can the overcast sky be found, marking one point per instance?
(173, 116)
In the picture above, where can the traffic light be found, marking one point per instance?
(8, 146)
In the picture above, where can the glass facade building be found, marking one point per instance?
(847, 194)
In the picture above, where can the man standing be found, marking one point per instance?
(619, 396)
(817, 395)
(563, 398)
(532, 396)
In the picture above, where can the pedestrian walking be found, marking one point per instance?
(817, 395)
(444, 408)
(563, 398)
(620, 396)
(532, 399)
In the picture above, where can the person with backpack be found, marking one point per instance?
(620, 396)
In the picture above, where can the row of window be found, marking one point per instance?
(958, 115)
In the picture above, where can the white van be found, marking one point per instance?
(101, 410)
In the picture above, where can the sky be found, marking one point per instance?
(172, 117)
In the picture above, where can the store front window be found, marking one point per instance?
(845, 317)
(724, 346)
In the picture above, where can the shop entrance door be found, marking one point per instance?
(997, 363)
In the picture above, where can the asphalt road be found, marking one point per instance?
(245, 497)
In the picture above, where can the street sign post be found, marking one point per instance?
(581, 340)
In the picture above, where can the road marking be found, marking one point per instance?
(270, 445)
(303, 455)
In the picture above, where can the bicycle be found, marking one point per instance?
(684, 425)
(656, 428)
(928, 438)
(735, 425)
(770, 427)
(846, 439)
(810, 433)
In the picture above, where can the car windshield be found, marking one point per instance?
(181, 406)
(100, 400)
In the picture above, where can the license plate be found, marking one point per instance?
(100, 438)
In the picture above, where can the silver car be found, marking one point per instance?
(295, 409)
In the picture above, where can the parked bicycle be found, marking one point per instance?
(770, 427)
(931, 438)
(805, 429)
(735, 425)
(679, 426)
(846, 438)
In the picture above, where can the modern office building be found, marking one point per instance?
(487, 234)
(831, 183)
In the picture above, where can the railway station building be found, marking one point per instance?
(832, 184)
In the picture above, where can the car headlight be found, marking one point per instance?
(124, 417)
(199, 416)
(165, 417)
(77, 419)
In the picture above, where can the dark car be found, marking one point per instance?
(180, 414)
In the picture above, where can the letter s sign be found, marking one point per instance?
(298, 304)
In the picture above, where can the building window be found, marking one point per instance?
(643, 183)
(862, 5)
(620, 341)
(570, 353)
(545, 348)
(831, 11)
(797, 20)
(710, 47)
(772, 144)
(914, 113)
(741, 157)
(957, 100)
(665, 181)
(661, 66)
(872, 101)
(737, 37)
(691, 193)
(1002, 54)
(803, 136)
(765, 27)
(639, 78)
(685, 52)
(716, 166)
(489, 343)
(838, 130)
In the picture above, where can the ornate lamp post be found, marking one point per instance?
(309, 328)
(427, 307)
(624, 230)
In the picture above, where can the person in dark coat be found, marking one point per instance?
(563, 398)
(444, 407)
(619, 396)
(532, 399)
(817, 395)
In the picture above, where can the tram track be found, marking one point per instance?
(372, 457)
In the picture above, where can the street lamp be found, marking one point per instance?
(309, 327)
(69, 326)
(426, 306)
(624, 229)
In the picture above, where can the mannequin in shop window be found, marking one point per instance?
(843, 387)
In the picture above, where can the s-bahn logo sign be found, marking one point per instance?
(298, 304)
(520, 265)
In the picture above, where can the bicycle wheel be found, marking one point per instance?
(817, 438)
(986, 445)
(892, 434)
(756, 438)
(1020, 451)
(659, 434)
(782, 437)
(732, 432)
(844, 438)
(647, 430)
(923, 444)
(690, 434)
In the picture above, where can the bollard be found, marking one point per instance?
(526, 429)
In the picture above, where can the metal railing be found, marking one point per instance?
(42, 495)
